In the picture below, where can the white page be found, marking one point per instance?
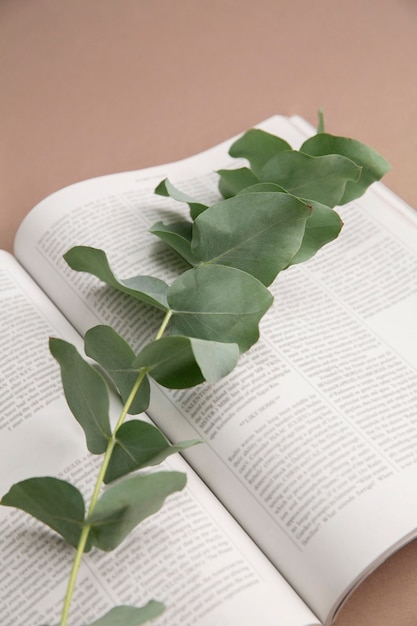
(355, 476)
(191, 555)
(313, 339)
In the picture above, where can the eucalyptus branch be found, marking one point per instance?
(99, 484)
(96, 493)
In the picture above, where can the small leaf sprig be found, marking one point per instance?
(276, 211)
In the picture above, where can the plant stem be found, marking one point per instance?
(164, 324)
(99, 483)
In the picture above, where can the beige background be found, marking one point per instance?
(90, 87)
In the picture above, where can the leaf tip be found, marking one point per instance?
(320, 123)
(161, 188)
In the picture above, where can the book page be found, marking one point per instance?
(318, 423)
(191, 555)
(310, 442)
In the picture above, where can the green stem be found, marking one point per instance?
(164, 324)
(99, 483)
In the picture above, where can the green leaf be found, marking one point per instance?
(165, 188)
(321, 178)
(233, 181)
(258, 232)
(138, 445)
(181, 362)
(215, 359)
(262, 187)
(113, 353)
(86, 394)
(323, 226)
(177, 236)
(218, 303)
(56, 503)
(258, 147)
(374, 166)
(129, 615)
(94, 261)
(127, 503)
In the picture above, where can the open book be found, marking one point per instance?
(306, 480)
